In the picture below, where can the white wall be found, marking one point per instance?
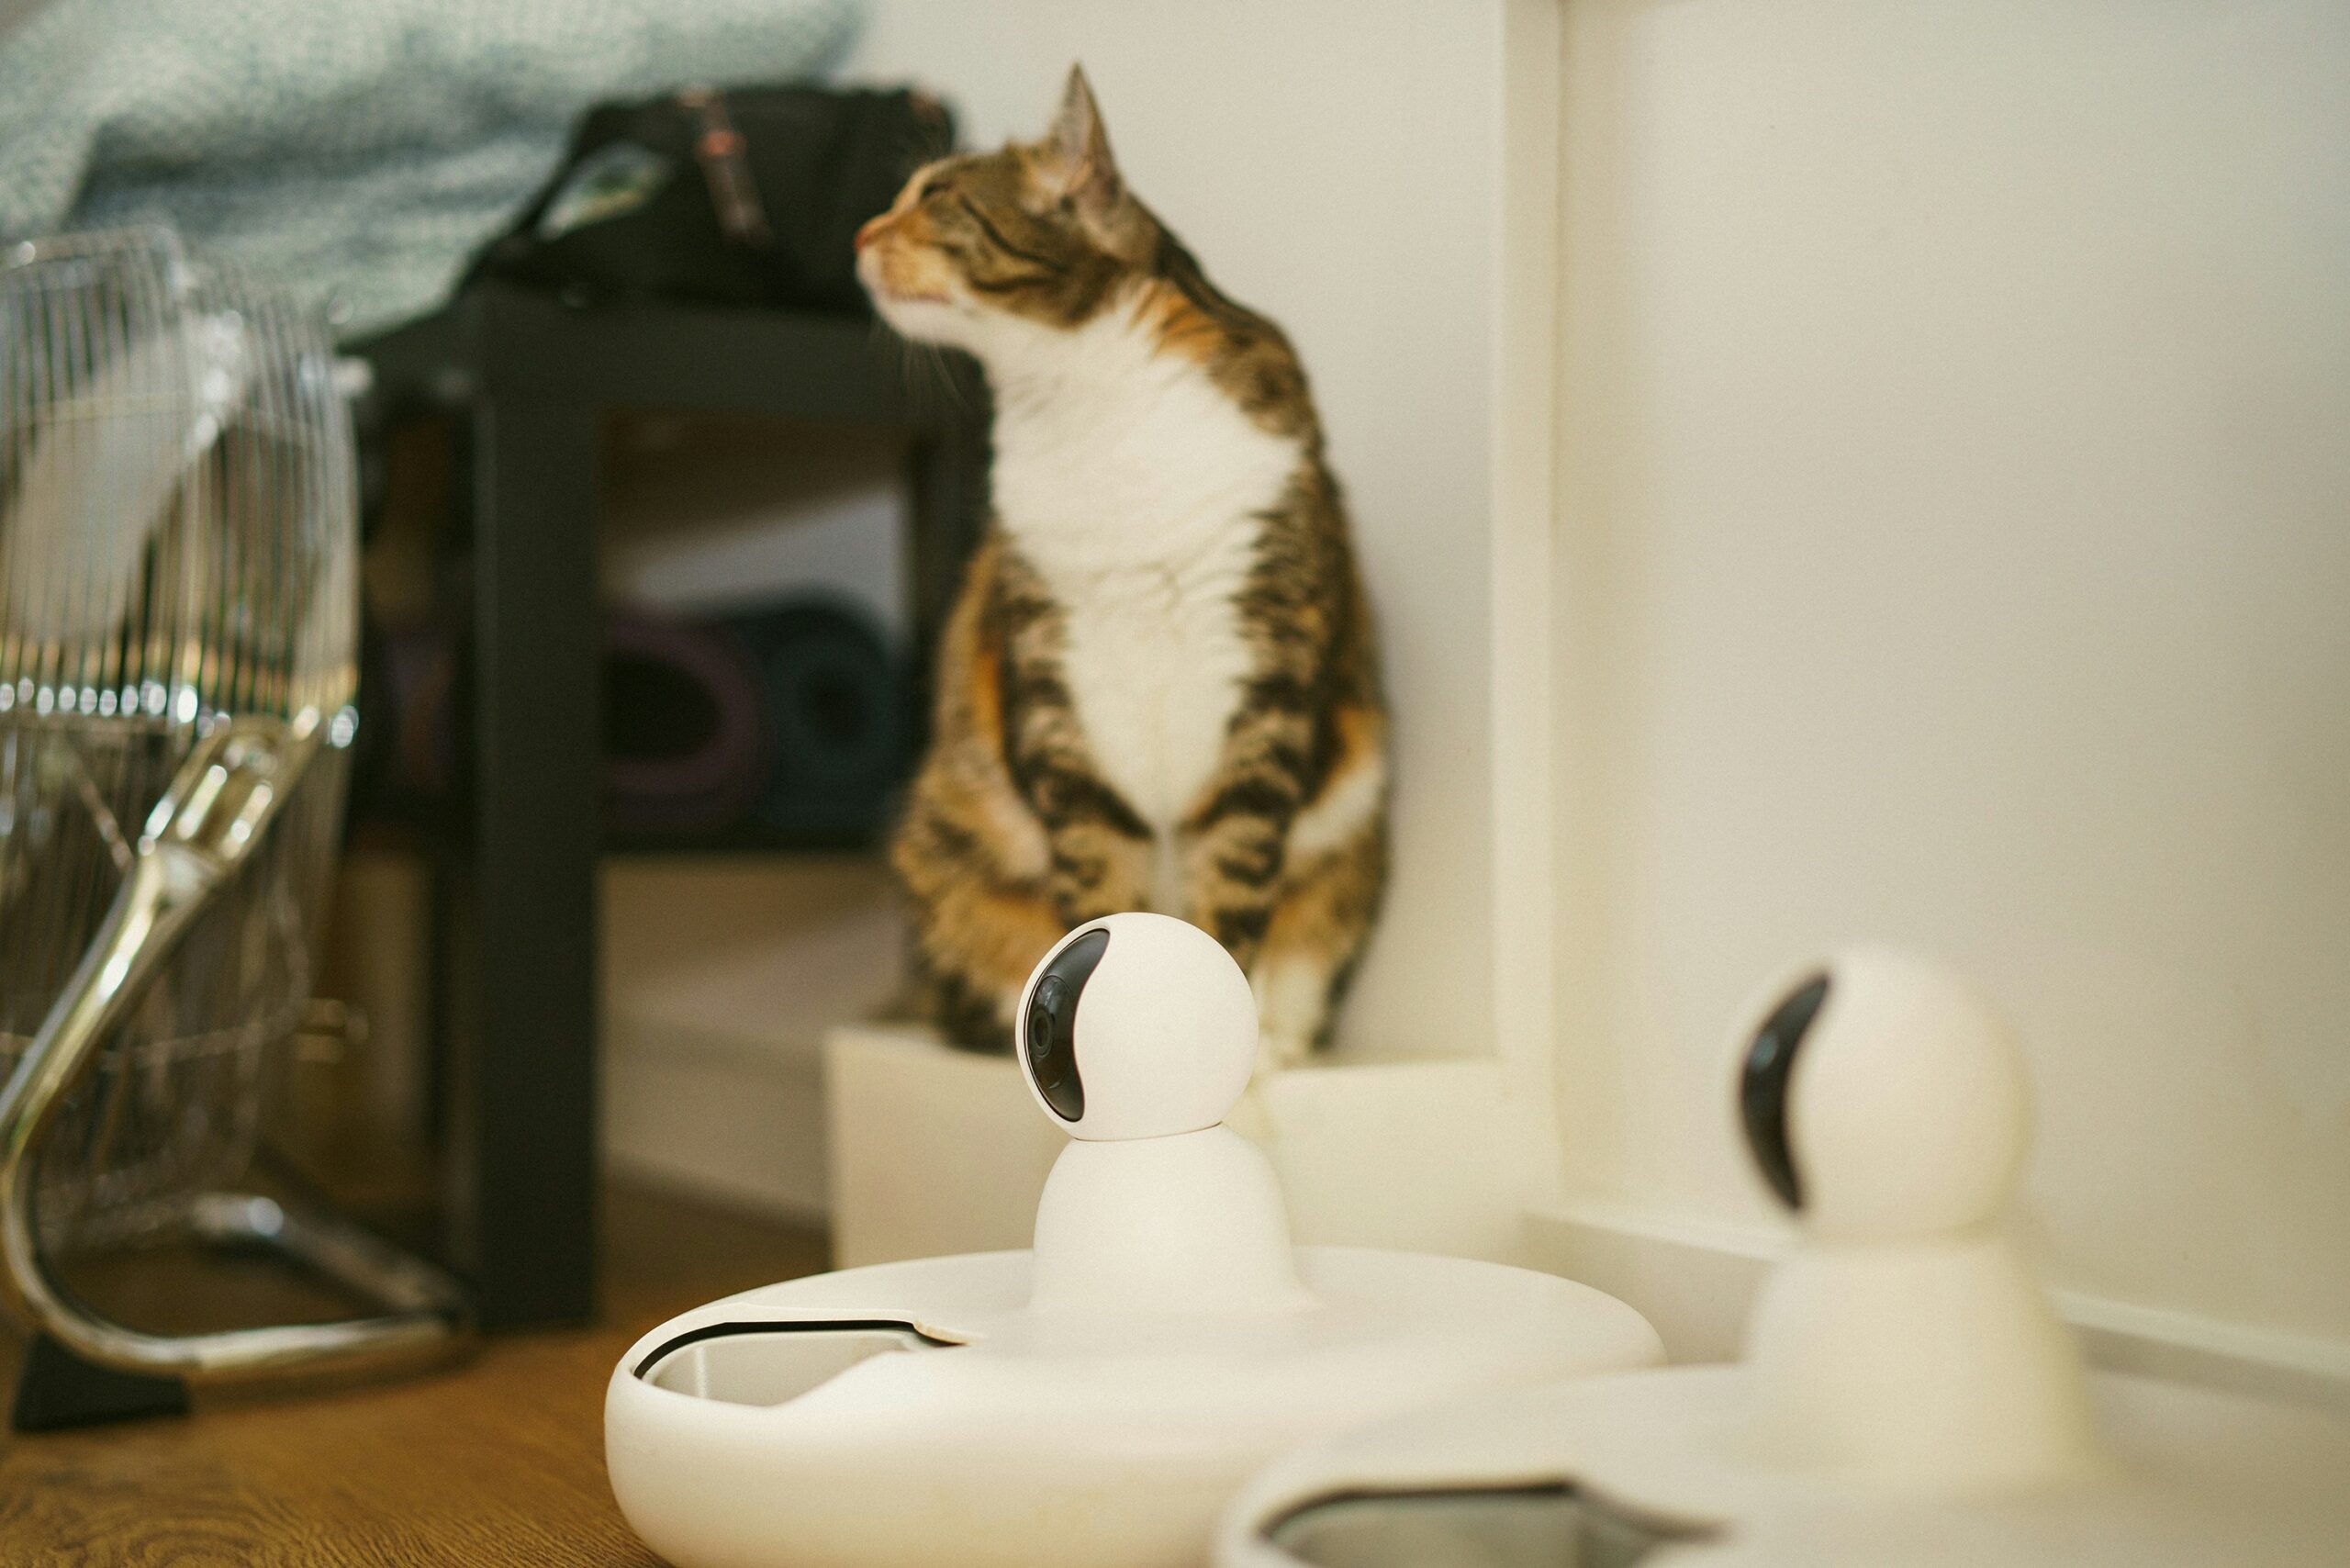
(702, 517)
(1335, 164)
(1956, 549)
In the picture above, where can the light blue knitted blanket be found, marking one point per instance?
(359, 150)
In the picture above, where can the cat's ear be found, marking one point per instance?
(1081, 146)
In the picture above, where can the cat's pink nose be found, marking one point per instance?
(865, 235)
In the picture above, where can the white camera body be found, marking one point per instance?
(1884, 1103)
(1137, 1026)
(1137, 1033)
(1902, 1096)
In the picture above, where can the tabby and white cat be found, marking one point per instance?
(1158, 688)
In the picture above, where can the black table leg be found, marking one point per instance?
(519, 895)
(514, 972)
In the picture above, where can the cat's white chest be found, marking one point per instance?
(1137, 488)
(1156, 666)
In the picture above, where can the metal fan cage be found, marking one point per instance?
(178, 541)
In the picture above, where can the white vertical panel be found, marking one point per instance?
(1956, 467)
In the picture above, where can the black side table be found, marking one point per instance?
(529, 379)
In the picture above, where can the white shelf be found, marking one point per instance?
(937, 1151)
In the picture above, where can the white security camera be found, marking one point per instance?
(1905, 1340)
(1137, 1026)
(1883, 1100)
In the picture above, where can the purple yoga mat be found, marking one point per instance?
(686, 742)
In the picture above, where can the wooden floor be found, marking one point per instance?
(498, 1462)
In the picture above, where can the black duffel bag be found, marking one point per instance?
(740, 196)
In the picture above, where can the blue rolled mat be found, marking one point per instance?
(838, 714)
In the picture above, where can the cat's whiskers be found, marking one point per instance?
(923, 372)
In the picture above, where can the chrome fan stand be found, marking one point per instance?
(201, 834)
(178, 603)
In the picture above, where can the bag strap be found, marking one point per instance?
(719, 149)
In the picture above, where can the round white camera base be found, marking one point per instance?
(1096, 1400)
(1656, 1468)
(925, 1413)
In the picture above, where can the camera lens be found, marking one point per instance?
(1763, 1086)
(1052, 1024)
(1044, 1018)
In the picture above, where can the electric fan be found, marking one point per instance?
(178, 614)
